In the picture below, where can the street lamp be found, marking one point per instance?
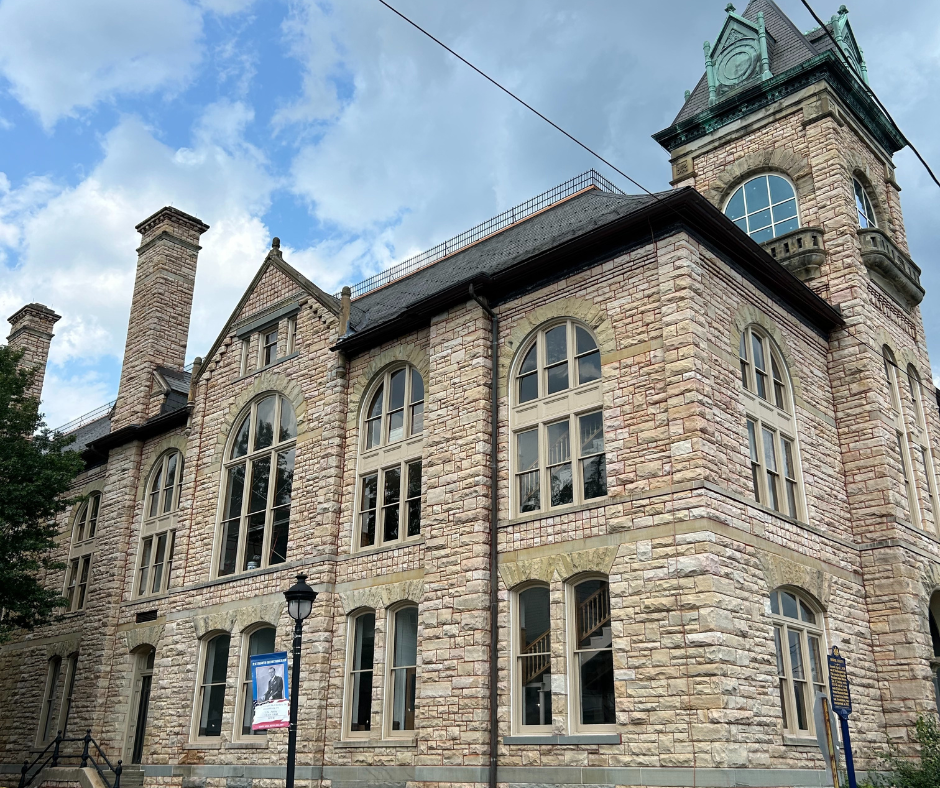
(300, 598)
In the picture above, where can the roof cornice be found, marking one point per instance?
(137, 432)
(825, 66)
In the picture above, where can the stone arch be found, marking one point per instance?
(63, 647)
(143, 636)
(381, 596)
(597, 560)
(580, 309)
(263, 383)
(773, 160)
(406, 353)
(748, 315)
(780, 572)
(858, 167)
(156, 452)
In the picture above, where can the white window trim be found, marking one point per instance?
(242, 697)
(575, 401)
(873, 219)
(197, 697)
(388, 455)
(78, 602)
(53, 673)
(517, 693)
(389, 685)
(159, 524)
(921, 438)
(571, 647)
(755, 176)
(348, 733)
(903, 442)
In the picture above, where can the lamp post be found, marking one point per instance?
(300, 598)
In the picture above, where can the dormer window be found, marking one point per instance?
(267, 340)
(764, 207)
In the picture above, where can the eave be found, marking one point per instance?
(138, 432)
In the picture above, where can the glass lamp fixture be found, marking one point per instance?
(300, 598)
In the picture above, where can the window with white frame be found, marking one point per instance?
(86, 522)
(78, 568)
(402, 664)
(764, 207)
(259, 475)
(210, 694)
(360, 660)
(866, 213)
(158, 532)
(268, 346)
(271, 343)
(800, 647)
(919, 438)
(57, 697)
(532, 663)
(770, 422)
(558, 456)
(391, 446)
(591, 660)
(255, 641)
(903, 442)
(71, 668)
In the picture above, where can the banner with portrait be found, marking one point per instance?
(269, 693)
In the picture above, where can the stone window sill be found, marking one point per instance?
(203, 745)
(544, 514)
(799, 741)
(410, 542)
(247, 745)
(403, 742)
(576, 738)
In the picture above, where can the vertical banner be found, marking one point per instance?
(269, 693)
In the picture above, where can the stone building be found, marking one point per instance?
(663, 452)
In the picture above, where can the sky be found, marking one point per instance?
(342, 130)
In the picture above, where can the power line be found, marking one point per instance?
(870, 92)
(524, 104)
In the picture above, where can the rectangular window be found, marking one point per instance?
(413, 503)
(404, 669)
(391, 510)
(593, 458)
(47, 719)
(789, 473)
(71, 667)
(533, 657)
(77, 586)
(367, 510)
(228, 554)
(907, 480)
(527, 474)
(211, 702)
(559, 463)
(360, 673)
(755, 458)
(770, 462)
(291, 334)
(556, 358)
(243, 360)
(391, 500)
(760, 367)
(593, 657)
(269, 347)
(156, 557)
(261, 641)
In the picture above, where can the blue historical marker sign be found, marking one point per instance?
(839, 684)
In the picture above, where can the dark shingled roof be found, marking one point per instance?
(90, 432)
(177, 379)
(553, 226)
(786, 46)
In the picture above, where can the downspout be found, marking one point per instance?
(494, 511)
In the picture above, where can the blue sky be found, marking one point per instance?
(340, 129)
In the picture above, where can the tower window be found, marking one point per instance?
(764, 207)
(866, 214)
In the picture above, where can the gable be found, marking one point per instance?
(736, 56)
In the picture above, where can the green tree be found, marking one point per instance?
(922, 772)
(36, 473)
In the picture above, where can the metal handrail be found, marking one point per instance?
(57, 755)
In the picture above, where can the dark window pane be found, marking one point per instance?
(591, 433)
(285, 477)
(375, 409)
(584, 341)
(534, 620)
(758, 220)
(288, 428)
(594, 472)
(216, 660)
(529, 498)
(264, 428)
(414, 479)
(528, 387)
(558, 378)
(367, 529)
(742, 223)
(236, 489)
(589, 368)
(414, 517)
(240, 446)
(390, 522)
(229, 547)
(755, 193)
(417, 386)
(370, 485)
(363, 653)
(406, 638)
(279, 534)
(530, 362)
(786, 210)
(361, 719)
(597, 688)
(779, 189)
(210, 722)
(562, 491)
(528, 450)
(155, 489)
(391, 496)
(788, 226)
(373, 432)
(763, 235)
(788, 604)
(391, 493)
(254, 541)
(396, 393)
(735, 208)
(260, 475)
(556, 345)
(170, 481)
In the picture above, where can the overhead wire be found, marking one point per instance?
(868, 90)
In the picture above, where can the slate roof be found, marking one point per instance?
(786, 46)
(90, 432)
(177, 379)
(553, 226)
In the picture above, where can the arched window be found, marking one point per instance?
(390, 459)
(256, 511)
(402, 671)
(360, 661)
(255, 641)
(592, 658)
(158, 534)
(140, 702)
(48, 715)
(210, 701)
(764, 207)
(866, 214)
(800, 648)
(771, 424)
(903, 442)
(558, 453)
(933, 621)
(86, 522)
(923, 454)
(532, 679)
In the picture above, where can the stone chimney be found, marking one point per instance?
(160, 311)
(32, 333)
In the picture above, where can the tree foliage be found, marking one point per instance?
(923, 772)
(36, 473)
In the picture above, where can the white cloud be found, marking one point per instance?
(69, 394)
(61, 57)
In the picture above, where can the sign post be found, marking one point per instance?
(825, 726)
(842, 705)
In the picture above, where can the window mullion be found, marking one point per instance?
(243, 517)
(269, 508)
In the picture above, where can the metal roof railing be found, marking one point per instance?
(516, 214)
(88, 418)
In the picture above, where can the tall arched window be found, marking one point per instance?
(390, 459)
(144, 659)
(532, 678)
(771, 424)
(800, 647)
(210, 701)
(86, 522)
(764, 207)
(402, 671)
(158, 533)
(48, 713)
(256, 514)
(558, 454)
(256, 641)
(923, 454)
(866, 214)
(591, 659)
(360, 661)
(902, 436)
(78, 570)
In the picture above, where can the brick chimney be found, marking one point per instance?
(32, 333)
(160, 311)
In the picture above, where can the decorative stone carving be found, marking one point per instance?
(63, 647)
(780, 571)
(801, 252)
(150, 636)
(237, 619)
(566, 565)
(890, 268)
(381, 596)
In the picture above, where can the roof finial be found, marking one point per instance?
(730, 8)
(843, 10)
(687, 94)
(275, 242)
